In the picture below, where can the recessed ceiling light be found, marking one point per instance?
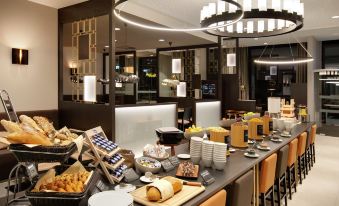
(161, 40)
(265, 43)
(256, 38)
(117, 29)
(115, 40)
(335, 17)
(107, 46)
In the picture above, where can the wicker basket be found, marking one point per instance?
(58, 198)
(42, 153)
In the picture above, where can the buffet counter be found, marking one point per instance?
(237, 165)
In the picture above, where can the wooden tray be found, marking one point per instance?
(187, 193)
(194, 177)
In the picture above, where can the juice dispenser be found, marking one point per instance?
(267, 124)
(255, 129)
(239, 135)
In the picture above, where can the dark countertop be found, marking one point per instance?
(237, 165)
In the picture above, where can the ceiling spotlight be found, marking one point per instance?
(151, 55)
(106, 46)
(256, 38)
(335, 17)
(117, 29)
(265, 43)
(161, 40)
(116, 40)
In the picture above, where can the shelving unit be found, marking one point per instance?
(99, 155)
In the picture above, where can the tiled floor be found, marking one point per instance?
(321, 186)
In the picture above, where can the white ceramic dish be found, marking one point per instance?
(232, 150)
(276, 140)
(108, 197)
(263, 148)
(251, 155)
(147, 180)
(184, 156)
(126, 188)
(219, 165)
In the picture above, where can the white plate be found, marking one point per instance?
(184, 156)
(127, 188)
(106, 198)
(276, 140)
(232, 150)
(263, 148)
(147, 180)
(285, 135)
(251, 155)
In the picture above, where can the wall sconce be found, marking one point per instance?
(231, 60)
(181, 89)
(19, 56)
(129, 70)
(73, 68)
(176, 66)
(90, 92)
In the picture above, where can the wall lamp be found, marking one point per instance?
(19, 56)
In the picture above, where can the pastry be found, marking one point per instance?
(11, 126)
(29, 121)
(161, 190)
(28, 138)
(188, 168)
(43, 122)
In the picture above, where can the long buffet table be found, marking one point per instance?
(237, 165)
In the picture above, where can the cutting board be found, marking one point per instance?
(187, 193)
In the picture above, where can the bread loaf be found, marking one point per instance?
(163, 189)
(29, 121)
(11, 126)
(44, 124)
(28, 138)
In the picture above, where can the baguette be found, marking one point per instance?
(163, 189)
(11, 126)
(29, 121)
(28, 138)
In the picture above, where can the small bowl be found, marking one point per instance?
(219, 165)
(188, 135)
(226, 123)
(144, 169)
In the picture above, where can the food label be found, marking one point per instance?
(270, 125)
(245, 135)
(260, 130)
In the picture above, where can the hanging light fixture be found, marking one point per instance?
(263, 18)
(284, 60)
(212, 10)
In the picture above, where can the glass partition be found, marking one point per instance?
(135, 126)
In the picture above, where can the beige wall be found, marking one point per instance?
(27, 25)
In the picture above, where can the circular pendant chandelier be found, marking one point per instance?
(262, 18)
(284, 60)
(232, 19)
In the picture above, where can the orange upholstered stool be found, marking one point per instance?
(266, 179)
(292, 158)
(301, 155)
(313, 134)
(219, 199)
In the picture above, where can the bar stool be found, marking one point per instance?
(313, 134)
(219, 199)
(266, 181)
(301, 155)
(292, 158)
(280, 174)
(242, 190)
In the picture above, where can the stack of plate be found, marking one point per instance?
(207, 153)
(108, 197)
(219, 155)
(195, 149)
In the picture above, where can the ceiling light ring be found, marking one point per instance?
(283, 60)
(232, 19)
(255, 14)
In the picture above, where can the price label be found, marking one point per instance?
(207, 177)
(130, 175)
(174, 160)
(167, 165)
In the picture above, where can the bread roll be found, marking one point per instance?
(11, 126)
(163, 189)
(28, 138)
(29, 121)
(44, 124)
